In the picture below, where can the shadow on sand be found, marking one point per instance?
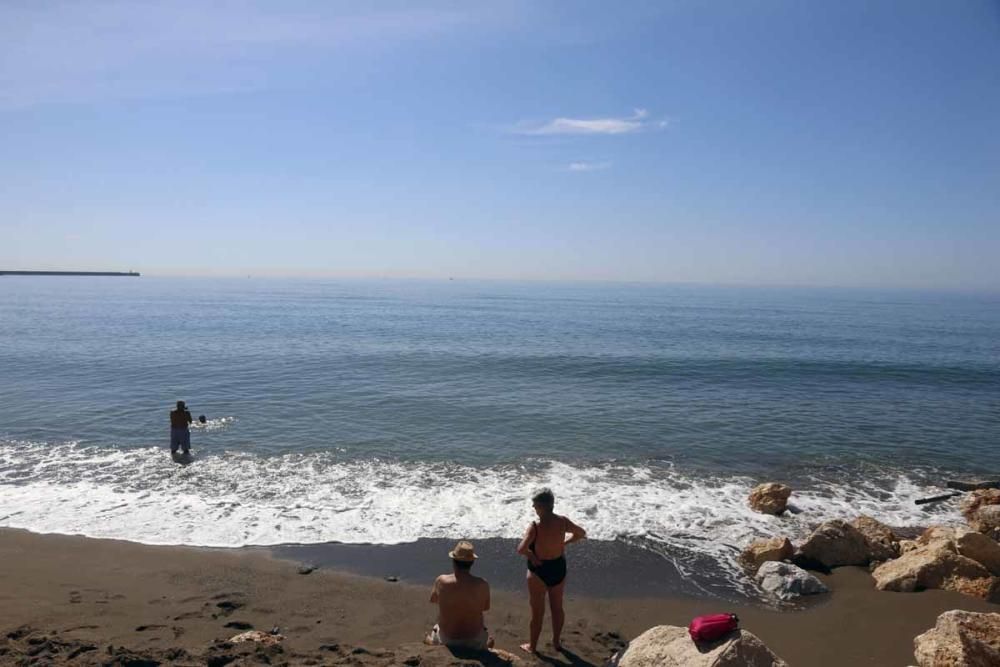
(491, 658)
(501, 658)
(567, 659)
(182, 458)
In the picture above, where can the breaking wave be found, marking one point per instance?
(233, 499)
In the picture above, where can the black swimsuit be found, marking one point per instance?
(551, 572)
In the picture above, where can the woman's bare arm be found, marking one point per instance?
(524, 548)
(434, 591)
(576, 533)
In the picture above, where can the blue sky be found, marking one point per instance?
(759, 142)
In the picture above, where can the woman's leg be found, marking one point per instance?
(536, 595)
(558, 615)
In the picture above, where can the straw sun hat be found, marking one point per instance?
(464, 552)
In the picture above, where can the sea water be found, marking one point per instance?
(383, 411)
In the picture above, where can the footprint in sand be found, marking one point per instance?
(227, 607)
(222, 596)
(187, 615)
(239, 625)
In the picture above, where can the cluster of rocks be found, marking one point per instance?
(958, 639)
(981, 510)
(963, 559)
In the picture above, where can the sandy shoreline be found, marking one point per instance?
(82, 593)
(596, 566)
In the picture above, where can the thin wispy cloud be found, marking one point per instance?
(588, 166)
(638, 121)
(94, 51)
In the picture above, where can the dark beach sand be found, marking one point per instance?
(597, 568)
(105, 600)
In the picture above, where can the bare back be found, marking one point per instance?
(461, 600)
(550, 536)
(180, 418)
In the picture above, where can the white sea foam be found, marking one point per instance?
(216, 424)
(235, 499)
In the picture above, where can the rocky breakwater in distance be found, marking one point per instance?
(672, 646)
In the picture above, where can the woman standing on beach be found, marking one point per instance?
(544, 545)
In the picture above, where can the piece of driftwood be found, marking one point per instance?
(935, 499)
(963, 485)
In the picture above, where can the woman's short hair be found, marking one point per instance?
(544, 497)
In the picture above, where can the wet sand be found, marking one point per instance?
(597, 568)
(75, 600)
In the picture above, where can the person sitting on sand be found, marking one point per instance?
(544, 545)
(180, 436)
(462, 598)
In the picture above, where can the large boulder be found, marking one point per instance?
(835, 543)
(976, 499)
(960, 639)
(965, 542)
(980, 548)
(935, 534)
(986, 520)
(883, 543)
(769, 498)
(671, 646)
(787, 582)
(936, 565)
(762, 551)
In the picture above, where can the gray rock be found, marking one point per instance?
(787, 582)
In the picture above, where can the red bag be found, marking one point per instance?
(713, 626)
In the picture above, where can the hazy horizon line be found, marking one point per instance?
(401, 277)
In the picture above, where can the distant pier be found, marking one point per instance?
(130, 274)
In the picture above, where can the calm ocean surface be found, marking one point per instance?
(384, 411)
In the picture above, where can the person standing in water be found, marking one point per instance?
(180, 435)
(544, 545)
